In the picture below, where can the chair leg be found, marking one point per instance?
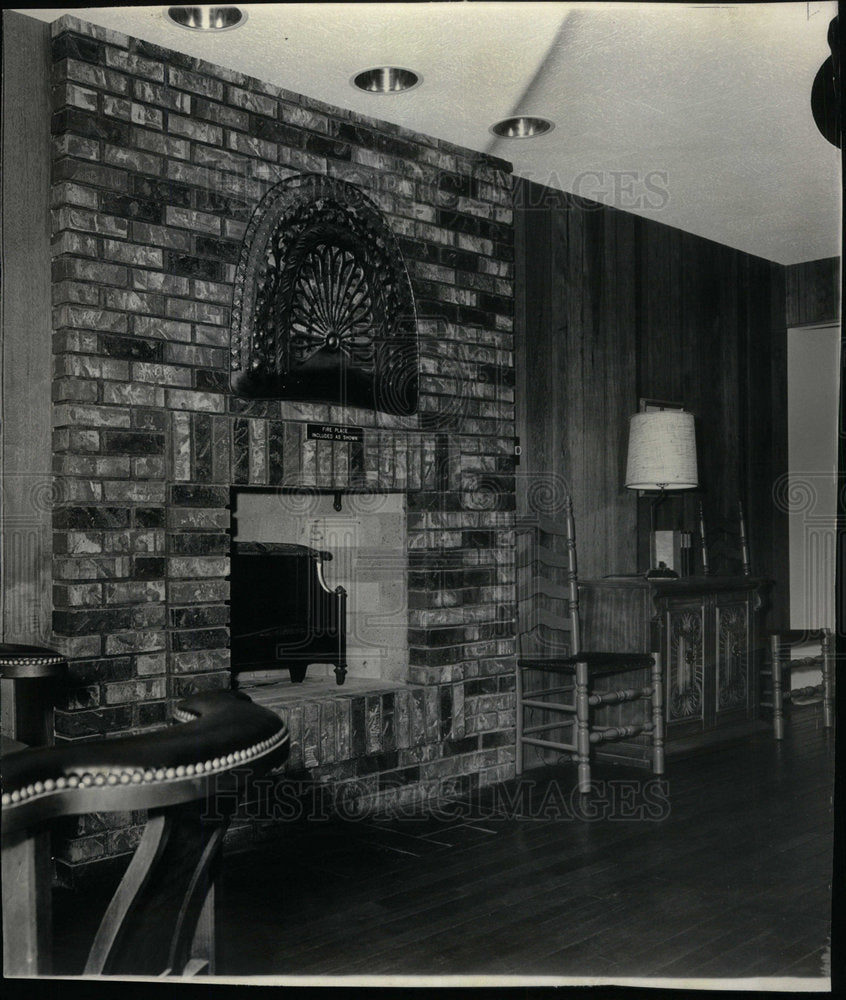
(657, 715)
(149, 850)
(828, 678)
(778, 703)
(27, 906)
(583, 727)
(192, 950)
(518, 719)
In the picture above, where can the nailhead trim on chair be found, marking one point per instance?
(30, 661)
(86, 780)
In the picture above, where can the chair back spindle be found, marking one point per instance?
(547, 586)
(572, 577)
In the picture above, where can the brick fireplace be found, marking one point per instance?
(159, 163)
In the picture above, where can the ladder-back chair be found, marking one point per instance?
(556, 680)
(781, 645)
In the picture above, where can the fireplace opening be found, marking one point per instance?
(358, 550)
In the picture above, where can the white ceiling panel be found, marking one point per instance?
(710, 103)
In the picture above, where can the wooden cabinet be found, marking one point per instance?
(705, 629)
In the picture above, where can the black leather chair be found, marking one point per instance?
(189, 777)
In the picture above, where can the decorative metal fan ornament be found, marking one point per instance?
(323, 309)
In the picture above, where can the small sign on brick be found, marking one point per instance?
(334, 432)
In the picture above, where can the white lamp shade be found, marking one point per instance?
(662, 451)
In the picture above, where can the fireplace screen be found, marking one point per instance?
(323, 309)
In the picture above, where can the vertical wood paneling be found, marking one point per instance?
(619, 307)
(520, 325)
(579, 352)
(766, 436)
(25, 445)
(813, 292)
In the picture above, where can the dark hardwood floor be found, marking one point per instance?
(723, 871)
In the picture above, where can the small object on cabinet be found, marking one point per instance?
(671, 551)
(744, 545)
(662, 572)
(703, 541)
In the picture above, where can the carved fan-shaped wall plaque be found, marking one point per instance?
(323, 309)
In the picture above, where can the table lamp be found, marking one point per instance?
(662, 457)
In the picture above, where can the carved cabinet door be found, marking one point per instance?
(684, 628)
(707, 642)
(733, 656)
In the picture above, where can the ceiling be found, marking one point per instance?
(696, 116)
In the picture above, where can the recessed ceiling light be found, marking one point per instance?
(386, 80)
(522, 127)
(207, 18)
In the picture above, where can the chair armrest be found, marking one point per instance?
(217, 733)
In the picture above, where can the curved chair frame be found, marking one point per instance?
(190, 778)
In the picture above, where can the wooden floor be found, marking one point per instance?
(731, 877)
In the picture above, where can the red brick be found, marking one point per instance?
(167, 97)
(137, 160)
(197, 82)
(116, 107)
(75, 96)
(184, 399)
(74, 145)
(74, 390)
(164, 145)
(250, 101)
(134, 64)
(132, 253)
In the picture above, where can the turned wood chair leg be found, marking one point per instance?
(778, 703)
(518, 691)
(828, 678)
(657, 716)
(582, 727)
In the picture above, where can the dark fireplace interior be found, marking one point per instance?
(318, 586)
(284, 616)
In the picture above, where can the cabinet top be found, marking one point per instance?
(680, 585)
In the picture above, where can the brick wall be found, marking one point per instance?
(159, 161)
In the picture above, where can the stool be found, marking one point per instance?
(29, 679)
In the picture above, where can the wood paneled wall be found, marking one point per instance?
(26, 355)
(576, 363)
(612, 307)
(813, 292)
